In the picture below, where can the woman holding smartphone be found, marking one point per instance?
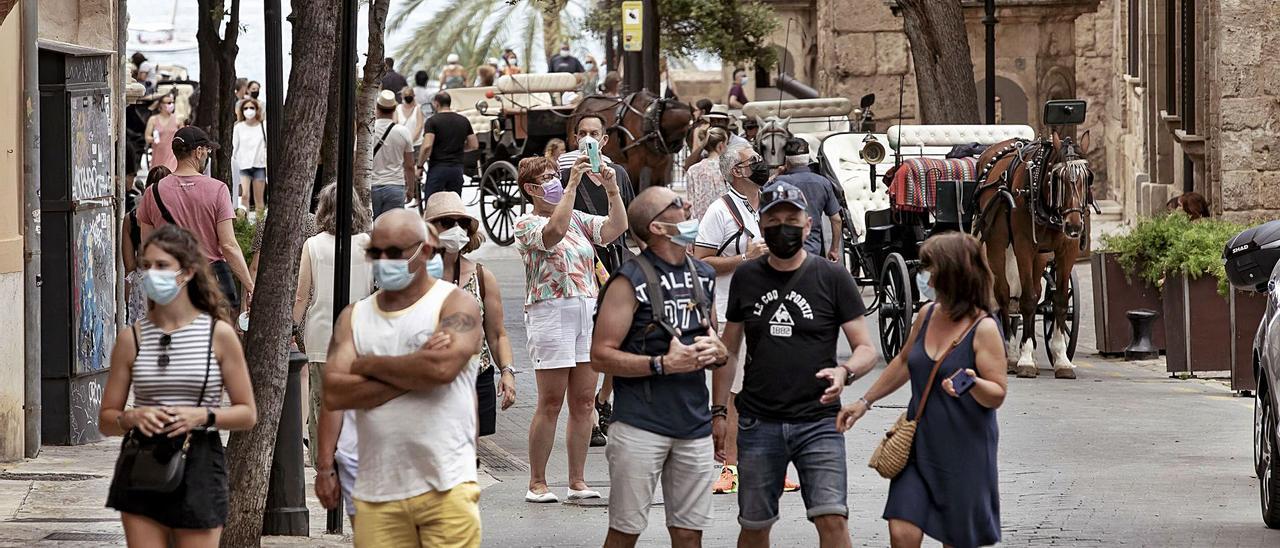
(949, 488)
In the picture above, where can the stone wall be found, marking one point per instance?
(862, 49)
(1096, 78)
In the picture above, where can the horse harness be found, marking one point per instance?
(651, 126)
(1036, 157)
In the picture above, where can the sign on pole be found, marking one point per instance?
(632, 28)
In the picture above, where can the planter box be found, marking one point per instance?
(1247, 308)
(1197, 322)
(1207, 332)
(1115, 293)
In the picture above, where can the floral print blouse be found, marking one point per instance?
(565, 270)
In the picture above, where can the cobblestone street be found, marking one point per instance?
(1124, 455)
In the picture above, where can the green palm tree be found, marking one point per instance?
(479, 29)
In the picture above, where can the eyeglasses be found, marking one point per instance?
(749, 161)
(677, 203)
(450, 222)
(165, 341)
(394, 253)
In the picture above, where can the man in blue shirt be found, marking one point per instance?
(820, 193)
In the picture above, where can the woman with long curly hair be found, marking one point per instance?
(176, 361)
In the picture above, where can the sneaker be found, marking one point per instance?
(598, 438)
(728, 481)
(605, 411)
(789, 486)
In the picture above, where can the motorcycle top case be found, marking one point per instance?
(1251, 255)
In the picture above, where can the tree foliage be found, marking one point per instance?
(736, 32)
(479, 29)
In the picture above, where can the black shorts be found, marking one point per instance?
(199, 503)
(487, 402)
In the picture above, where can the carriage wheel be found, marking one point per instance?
(1046, 309)
(896, 305)
(500, 202)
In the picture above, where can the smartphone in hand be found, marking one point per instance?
(591, 147)
(962, 381)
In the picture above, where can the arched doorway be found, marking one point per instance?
(1011, 102)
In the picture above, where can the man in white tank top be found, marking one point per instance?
(406, 359)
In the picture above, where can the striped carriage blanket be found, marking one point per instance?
(913, 186)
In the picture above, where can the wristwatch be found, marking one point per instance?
(849, 376)
(210, 418)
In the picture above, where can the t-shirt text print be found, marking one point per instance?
(679, 307)
(781, 323)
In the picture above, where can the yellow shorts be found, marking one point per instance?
(443, 519)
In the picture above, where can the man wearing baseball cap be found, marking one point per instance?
(790, 307)
(393, 178)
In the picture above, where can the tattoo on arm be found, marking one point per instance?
(458, 323)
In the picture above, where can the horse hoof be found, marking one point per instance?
(1012, 367)
(1064, 373)
(1027, 371)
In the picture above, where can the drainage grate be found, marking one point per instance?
(44, 476)
(65, 520)
(498, 459)
(85, 537)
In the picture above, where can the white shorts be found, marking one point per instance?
(637, 458)
(559, 332)
(346, 481)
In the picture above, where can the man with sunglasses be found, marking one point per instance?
(791, 307)
(655, 333)
(407, 352)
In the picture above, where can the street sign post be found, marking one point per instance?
(632, 25)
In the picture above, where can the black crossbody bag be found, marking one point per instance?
(157, 464)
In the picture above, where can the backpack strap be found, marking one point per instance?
(737, 218)
(653, 289)
(700, 301)
(164, 211)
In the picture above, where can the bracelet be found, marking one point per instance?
(655, 365)
(865, 402)
(507, 369)
(719, 411)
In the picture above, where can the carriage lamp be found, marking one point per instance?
(872, 151)
(483, 106)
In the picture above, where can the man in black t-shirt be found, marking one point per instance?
(791, 390)
(663, 418)
(446, 136)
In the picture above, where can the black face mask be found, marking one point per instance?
(784, 241)
(253, 94)
(759, 173)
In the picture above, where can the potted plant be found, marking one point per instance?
(1126, 276)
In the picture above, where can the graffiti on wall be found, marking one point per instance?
(90, 147)
(86, 399)
(93, 288)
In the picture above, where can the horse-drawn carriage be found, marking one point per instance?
(520, 114)
(1017, 194)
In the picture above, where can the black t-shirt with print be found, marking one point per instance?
(786, 352)
(676, 406)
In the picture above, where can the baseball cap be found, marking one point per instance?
(750, 122)
(386, 99)
(781, 193)
(192, 137)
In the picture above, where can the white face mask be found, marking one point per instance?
(454, 239)
(250, 114)
(564, 52)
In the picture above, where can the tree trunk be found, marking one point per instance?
(217, 79)
(948, 92)
(370, 85)
(552, 30)
(5, 7)
(221, 168)
(329, 147)
(250, 453)
(650, 62)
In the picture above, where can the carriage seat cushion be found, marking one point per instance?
(516, 103)
(951, 135)
(479, 122)
(466, 98)
(799, 108)
(537, 83)
(841, 152)
(913, 184)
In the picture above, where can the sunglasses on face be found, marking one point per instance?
(450, 222)
(677, 203)
(394, 253)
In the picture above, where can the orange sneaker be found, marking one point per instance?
(789, 486)
(728, 482)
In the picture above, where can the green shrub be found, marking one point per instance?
(245, 232)
(1172, 243)
(1198, 251)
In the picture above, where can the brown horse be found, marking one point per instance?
(645, 131)
(1033, 199)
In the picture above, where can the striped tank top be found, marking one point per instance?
(189, 355)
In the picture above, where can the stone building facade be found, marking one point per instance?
(1196, 106)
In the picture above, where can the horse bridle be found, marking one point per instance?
(1039, 157)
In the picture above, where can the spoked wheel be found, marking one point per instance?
(1046, 311)
(500, 202)
(897, 305)
(1264, 456)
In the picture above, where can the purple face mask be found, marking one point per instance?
(552, 192)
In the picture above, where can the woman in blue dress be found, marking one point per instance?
(949, 488)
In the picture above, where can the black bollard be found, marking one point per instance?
(1140, 347)
(286, 512)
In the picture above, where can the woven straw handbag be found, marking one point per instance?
(890, 457)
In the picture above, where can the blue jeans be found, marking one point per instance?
(764, 450)
(386, 197)
(445, 177)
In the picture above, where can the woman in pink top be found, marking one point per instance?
(201, 205)
(161, 127)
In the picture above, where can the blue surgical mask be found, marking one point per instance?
(161, 286)
(686, 232)
(435, 266)
(394, 274)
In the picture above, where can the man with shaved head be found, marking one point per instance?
(408, 352)
(655, 333)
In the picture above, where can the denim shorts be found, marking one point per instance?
(764, 450)
(255, 173)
